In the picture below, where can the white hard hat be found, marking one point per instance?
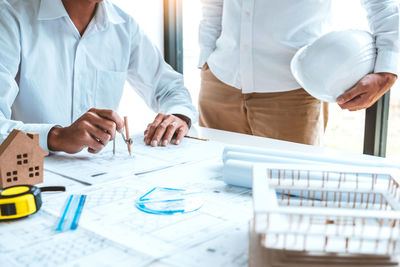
(334, 63)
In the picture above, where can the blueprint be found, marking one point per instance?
(110, 211)
(104, 166)
(227, 249)
(112, 231)
(33, 242)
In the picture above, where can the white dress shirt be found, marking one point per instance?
(50, 75)
(249, 44)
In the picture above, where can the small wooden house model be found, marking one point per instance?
(21, 159)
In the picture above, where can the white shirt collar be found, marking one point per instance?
(110, 13)
(54, 9)
(51, 9)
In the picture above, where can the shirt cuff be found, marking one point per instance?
(41, 129)
(387, 61)
(204, 55)
(190, 113)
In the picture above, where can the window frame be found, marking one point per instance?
(173, 34)
(376, 127)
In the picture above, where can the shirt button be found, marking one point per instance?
(247, 13)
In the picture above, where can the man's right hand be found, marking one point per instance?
(93, 130)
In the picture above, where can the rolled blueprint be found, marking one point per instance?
(238, 173)
(251, 154)
(260, 158)
(239, 161)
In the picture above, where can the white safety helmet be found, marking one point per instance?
(334, 63)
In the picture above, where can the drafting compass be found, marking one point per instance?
(127, 140)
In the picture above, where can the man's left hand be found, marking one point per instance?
(367, 91)
(163, 128)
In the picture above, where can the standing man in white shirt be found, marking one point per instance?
(246, 49)
(63, 65)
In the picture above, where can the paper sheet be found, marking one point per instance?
(101, 168)
(110, 211)
(104, 166)
(113, 231)
(32, 242)
(190, 150)
(229, 249)
(252, 154)
(51, 179)
(239, 160)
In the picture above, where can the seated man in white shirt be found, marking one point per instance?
(246, 49)
(63, 64)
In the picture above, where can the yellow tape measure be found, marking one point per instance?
(22, 200)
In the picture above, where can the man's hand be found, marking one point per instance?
(367, 91)
(92, 130)
(163, 129)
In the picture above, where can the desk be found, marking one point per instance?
(232, 138)
(113, 232)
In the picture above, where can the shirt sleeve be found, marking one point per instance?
(210, 28)
(155, 81)
(383, 18)
(10, 50)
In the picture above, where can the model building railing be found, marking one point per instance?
(328, 209)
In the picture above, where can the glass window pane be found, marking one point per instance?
(191, 19)
(345, 130)
(393, 140)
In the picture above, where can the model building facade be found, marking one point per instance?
(21, 159)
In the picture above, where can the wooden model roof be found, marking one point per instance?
(13, 135)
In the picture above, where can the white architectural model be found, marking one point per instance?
(323, 210)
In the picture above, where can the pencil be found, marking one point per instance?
(197, 138)
(127, 134)
(115, 136)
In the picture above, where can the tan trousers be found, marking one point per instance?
(293, 116)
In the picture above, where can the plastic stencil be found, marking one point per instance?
(168, 201)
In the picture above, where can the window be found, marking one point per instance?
(22, 158)
(191, 19)
(345, 129)
(12, 176)
(34, 171)
(393, 148)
